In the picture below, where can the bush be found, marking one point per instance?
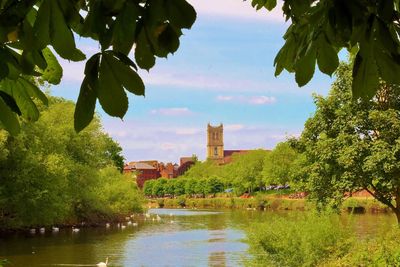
(305, 240)
(383, 250)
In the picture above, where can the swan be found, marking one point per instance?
(42, 230)
(135, 224)
(75, 230)
(32, 231)
(107, 225)
(55, 229)
(129, 223)
(102, 264)
(123, 226)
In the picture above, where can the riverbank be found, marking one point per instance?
(274, 203)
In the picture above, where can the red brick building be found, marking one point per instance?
(144, 172)
(152, 169)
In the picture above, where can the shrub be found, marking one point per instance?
(305, 240)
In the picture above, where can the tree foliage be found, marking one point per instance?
(280, 165)
(29, 28)
(319, 29)
(50, 174)
(353, 145)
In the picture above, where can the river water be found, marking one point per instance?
(180, 238)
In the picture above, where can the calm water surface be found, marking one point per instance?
(180, 238)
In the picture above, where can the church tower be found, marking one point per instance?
(215, 143)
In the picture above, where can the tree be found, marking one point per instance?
(245, 170)
(148, 187)
(279, 164)
(179, 188)
(50, 174)
(353, 145)
(114, 153)
(213, 185)
(318, 30)
(159, 187)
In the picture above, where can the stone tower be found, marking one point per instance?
(215, 143)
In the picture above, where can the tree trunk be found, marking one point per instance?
(396, 209)
(397, 212)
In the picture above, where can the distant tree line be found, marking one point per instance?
(247, 173)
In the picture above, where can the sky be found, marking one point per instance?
(222, 73)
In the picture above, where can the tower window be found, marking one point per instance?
(215, 151)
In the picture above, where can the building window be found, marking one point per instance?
(215, 151)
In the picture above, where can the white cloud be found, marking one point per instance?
(238, 10)
(233, 127)
(171, 111)
(252, 100)
(262, 100)
(168, 142)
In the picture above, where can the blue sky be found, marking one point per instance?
(222, 73)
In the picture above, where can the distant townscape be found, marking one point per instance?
(153, 169)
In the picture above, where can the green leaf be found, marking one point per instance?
(111, 95)
(143, 53)
(365, 76)
(389, 67)
(125, 28)
(85, 106)
(168, 40)
(17, 91)
(41, 28)
(8, 119)
(327, 58)
(125, 75)
(305, 67)
(53, 72)
(270, 4)
(61, 36)
(10, 102)
(33, 90)
(180, 13)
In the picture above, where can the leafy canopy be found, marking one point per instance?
(151, 28)
(319, 29)
(353, 145)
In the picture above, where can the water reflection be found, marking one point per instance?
(180, 238)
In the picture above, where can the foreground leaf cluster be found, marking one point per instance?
(319, 29)
(28, 29)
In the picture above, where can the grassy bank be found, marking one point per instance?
(266, 202)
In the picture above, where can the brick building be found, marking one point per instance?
(144, 172)
(152, 169)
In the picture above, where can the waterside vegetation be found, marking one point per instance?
(50, 175)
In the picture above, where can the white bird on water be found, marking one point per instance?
(42, 230)
(103, 264)
(55, 229)
(75, 230)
